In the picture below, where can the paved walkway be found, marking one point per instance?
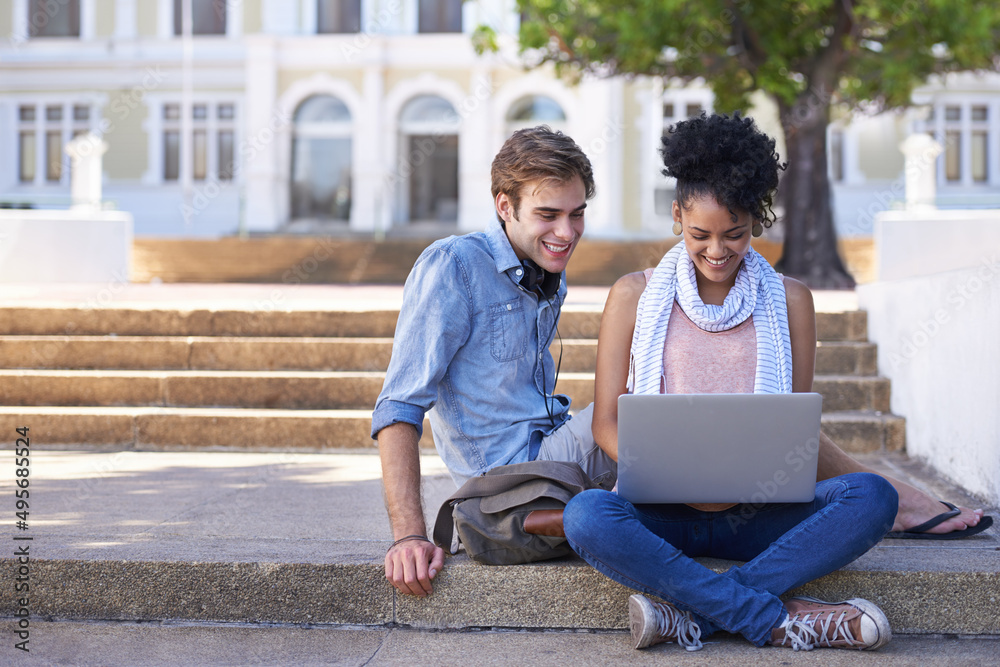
(147, 644)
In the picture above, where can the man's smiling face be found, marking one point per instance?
(548, 223)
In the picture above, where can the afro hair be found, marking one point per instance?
(726, 157)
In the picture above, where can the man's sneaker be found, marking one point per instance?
(656, 622)
(856, 624)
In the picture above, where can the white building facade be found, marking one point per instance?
(377, 117)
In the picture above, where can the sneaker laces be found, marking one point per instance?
(671, 622)
(804, 636)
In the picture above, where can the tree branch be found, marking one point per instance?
(748, 40)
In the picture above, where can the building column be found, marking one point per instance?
(263, 129)
(474, 155)
(369, 204)
(125, 19)
(600, 133)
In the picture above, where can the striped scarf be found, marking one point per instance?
(759, 291)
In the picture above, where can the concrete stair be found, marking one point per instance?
(137, 515)
(244, 378)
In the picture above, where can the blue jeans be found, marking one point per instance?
(650, 548)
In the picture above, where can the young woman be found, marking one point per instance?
(715, 317)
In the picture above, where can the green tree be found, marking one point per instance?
(808, 55)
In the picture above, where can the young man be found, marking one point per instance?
(472, 342)
(479, 312)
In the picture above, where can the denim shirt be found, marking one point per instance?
(472, 347)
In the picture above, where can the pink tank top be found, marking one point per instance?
(701, 362)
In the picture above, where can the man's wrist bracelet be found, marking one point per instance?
(422, 538)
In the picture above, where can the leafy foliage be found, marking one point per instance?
(845, 51)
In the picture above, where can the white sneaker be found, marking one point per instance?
(657, 622)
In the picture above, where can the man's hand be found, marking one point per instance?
(410, 566)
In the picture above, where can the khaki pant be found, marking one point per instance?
(574, 442)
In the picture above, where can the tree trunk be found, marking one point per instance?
(810, 252)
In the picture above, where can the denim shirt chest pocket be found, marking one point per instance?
(510, 335)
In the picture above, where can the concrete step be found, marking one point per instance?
(195, 428)
(169, 428)
(577, 321)
(846, 358)
(840, 392)
(195, 353)
(318, 354)
(237, 537)
(305, 390)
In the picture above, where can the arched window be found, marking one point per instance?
(428, 162)
(535, 110)
(321, 160)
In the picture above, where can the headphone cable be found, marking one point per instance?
(545, 394)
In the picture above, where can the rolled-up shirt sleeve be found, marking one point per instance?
(434, 323)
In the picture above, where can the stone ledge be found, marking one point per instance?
(921, 589)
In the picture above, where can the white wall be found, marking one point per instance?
(938, 336)
(916, 244)
(39, 246)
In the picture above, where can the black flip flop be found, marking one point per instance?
(920, 532)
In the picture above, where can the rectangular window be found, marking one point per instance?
(338, 16)
(953, 113)
(211, 152)
(980, 114)
(226, 155)
(208, 17)
(81, 113)
(54, 18)
(53, 156)
(199, 150)
(953, 155)
(53, 114)
(692, 110)
(171, 155)
(440, 16)
(979, 160)
(26, 114)
(26, 158)
(668, 110)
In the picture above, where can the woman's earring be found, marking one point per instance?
(677, 228)
(757, 229)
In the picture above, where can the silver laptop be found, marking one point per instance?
(718, 448)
